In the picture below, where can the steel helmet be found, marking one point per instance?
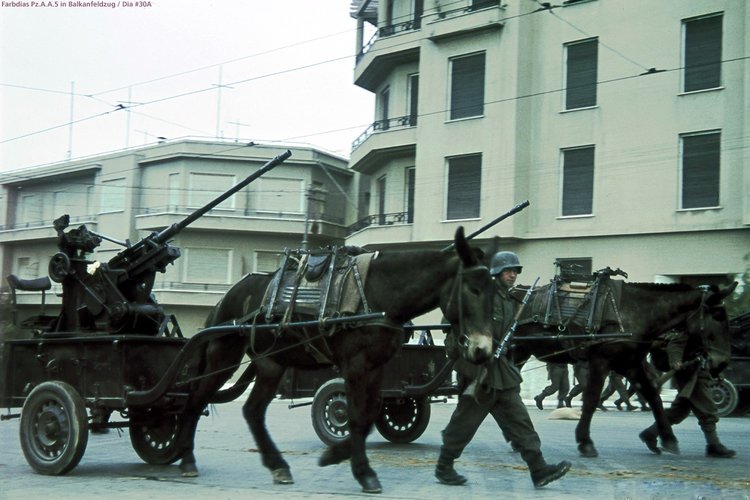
(504, 260)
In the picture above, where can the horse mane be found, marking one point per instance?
(662, 287)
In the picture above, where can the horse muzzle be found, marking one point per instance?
(476, 347)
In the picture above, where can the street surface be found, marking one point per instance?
(230, 466)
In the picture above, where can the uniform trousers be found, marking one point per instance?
(511, 415)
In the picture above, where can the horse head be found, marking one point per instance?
(710, 326)
(466, 302)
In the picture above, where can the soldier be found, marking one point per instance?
(557, 374)
(690, 362)
(494, 388)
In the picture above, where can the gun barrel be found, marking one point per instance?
(167, 233)
(484, 228)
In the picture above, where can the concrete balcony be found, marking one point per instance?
(383, 55)
(40, 230)
(377, 145)
(479, 17)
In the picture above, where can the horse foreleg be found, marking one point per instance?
(186, 438)
(254, 410)
(591, 397)
(363, 405)
(664, 428)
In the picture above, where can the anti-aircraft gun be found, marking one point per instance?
(115, 297)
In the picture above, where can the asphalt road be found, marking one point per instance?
(230, 465)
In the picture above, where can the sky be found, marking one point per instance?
(266, 71)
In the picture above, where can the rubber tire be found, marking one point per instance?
(403, 420)
(725, 396)
(329, 415)
(157, 444)
(58, 447)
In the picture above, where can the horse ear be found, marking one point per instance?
(726, 291)
(462, 248)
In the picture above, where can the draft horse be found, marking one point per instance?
(403, 285)
(647, 310)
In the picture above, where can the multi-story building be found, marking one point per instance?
(309, 199)
(625, 124)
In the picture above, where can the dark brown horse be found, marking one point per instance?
(646, 310)
(403, 285)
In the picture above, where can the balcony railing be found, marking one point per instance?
(380, 220)
(43, 223)
(387, 31)
(383, 125)
(484, 4)
(246, 212)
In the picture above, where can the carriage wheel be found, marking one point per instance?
(329, 412)
(54, 429)
(156, 440)
(725, 395)
(403, 420)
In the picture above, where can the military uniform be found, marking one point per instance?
(557, 373)
(693, 379)
(493, 388)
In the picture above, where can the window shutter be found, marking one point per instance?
(701, 157)
(467, 86)
(464, 187)
(578, 181)
(207, 265)
(703, 53)
(580, 89)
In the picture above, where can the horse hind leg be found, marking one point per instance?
(591, 397)
(662, 425)
(254, 410)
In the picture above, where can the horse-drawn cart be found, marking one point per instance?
(419, 375)
(111, 349)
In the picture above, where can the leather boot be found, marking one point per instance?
(446, 474)
(618, 404)
(715, 449)
(548, 473)
(561, 403)
(719, 451)
(567, 401)
(649, 437)
(539, 398)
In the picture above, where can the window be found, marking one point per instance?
(281, 196)
(207, 265)
(409, 191)
(413, 92)
(385, 97)
(464, 187)
(30, 211)
(701, 159)
(578, 181)
(267, 262)
(113, 195)
(581, 74)
(380, 192)
(174, 192)
(702, 64)
(204, 188)
(467, 86)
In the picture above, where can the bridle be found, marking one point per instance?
(457, 297)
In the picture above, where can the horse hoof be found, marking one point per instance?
(188, 470)
(670, 446)
(282, 476)
(587, 450)
(370, 484)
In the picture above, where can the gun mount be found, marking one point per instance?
(115, 296)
